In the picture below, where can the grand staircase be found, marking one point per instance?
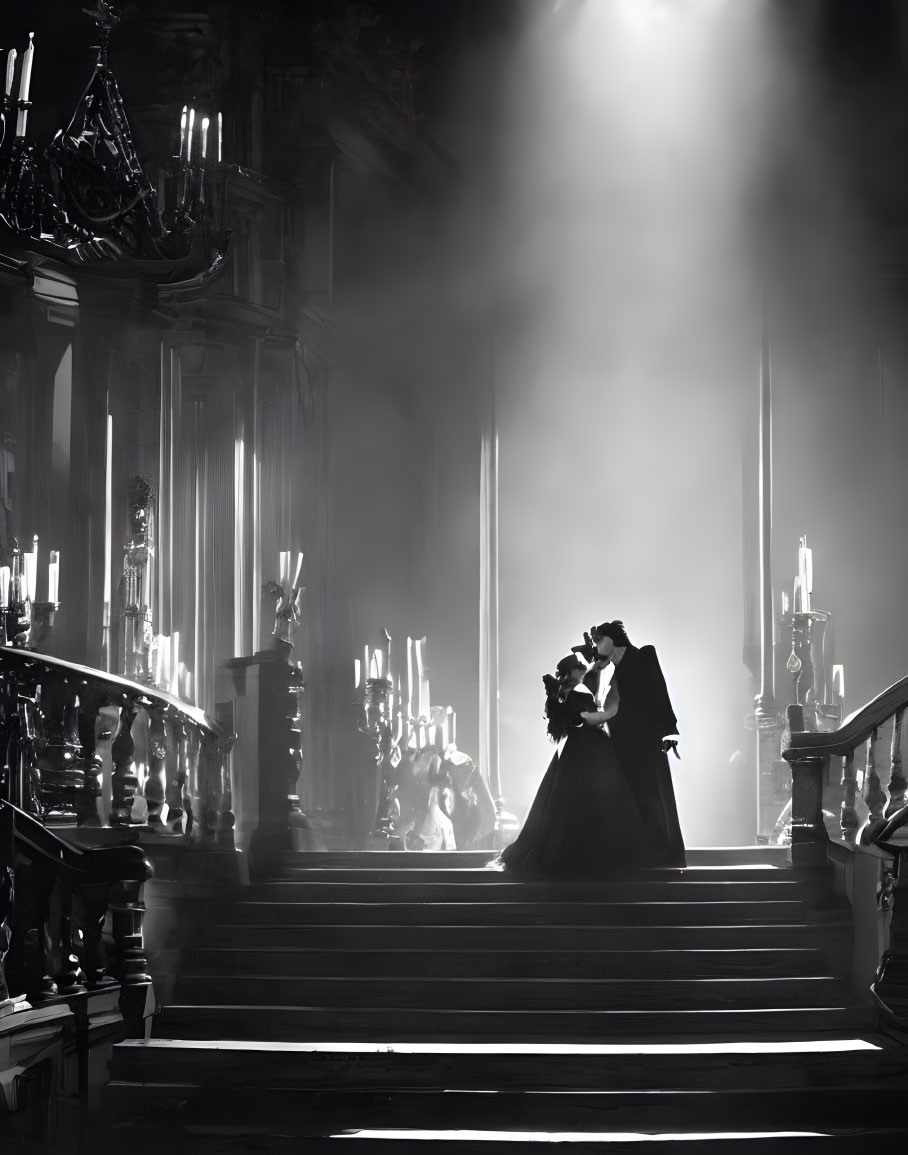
(390, 1001)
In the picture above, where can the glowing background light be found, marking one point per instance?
(629, 365)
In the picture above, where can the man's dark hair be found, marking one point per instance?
(614, 630)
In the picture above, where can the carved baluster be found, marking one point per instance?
(227, 818)
(849, 817)
(127, 914)
(28, 770)
(140, 762)
(189, 763)
(88, 806)
(89, 912)
(155, 783)
(898, 785)
(11, 751)
(32, 957)
(56, 747)
(7, 894)
(210, 786)
(176, 774)
(873, 791)
(123, 779)
(68, 973)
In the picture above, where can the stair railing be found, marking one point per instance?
(63, 725)
(55, 902)
(810, 755)
(877, 728)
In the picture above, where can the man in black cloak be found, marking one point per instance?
(643, 730)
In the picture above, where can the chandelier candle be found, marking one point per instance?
(53, 576)
(183, 119)
(220, 137)
(189, 136)
(10, 70)
(4, 586)
(205, 123)
(25, 84)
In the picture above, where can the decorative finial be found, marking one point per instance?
(105, 15)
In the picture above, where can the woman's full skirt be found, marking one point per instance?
(584, 821)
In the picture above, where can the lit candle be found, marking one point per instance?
(409, 678)
(358, 674)
(53, 576)
(4, 586)
(453, 727)
(189, 136)
(205, 123)
(10, 70)
(25, 83)
(108, 541)
(220, 137)
(366, 664)
(175, 663)
(33, 572)
(184, 116)
(299, 571)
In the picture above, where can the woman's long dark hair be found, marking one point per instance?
(557, 687)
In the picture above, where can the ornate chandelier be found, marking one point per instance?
(88, 200)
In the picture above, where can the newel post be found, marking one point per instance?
(809, 837)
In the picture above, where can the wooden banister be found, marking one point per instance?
(854, 730)
(52, 712)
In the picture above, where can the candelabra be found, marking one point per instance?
(137, 636)
(376, 721)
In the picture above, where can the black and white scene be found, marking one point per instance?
(453, 567)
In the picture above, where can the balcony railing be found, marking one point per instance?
(83, 747)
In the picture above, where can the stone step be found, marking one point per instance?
(460, 859)
(566, 913)
(473, 876)
(176, 1108)
(270, 1022)
(391, 962)
(215, 1141)
(493, 889)
(399, 1066)
(367, 992)
(832, 936)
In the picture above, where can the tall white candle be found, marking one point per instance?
(284, 568)
(4, 586)
(220, 138)
(10, 70)
(33, 575)
(184, 118)
(357, 672)
(27, 561)
(175, 663)
(53, 576)
(25, 83)
(189, 136)
(299, 571)
(205, 123)
(367, 667)
(108, 541)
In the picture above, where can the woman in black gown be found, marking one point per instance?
(584, 822)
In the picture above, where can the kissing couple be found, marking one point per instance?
(606, 801)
